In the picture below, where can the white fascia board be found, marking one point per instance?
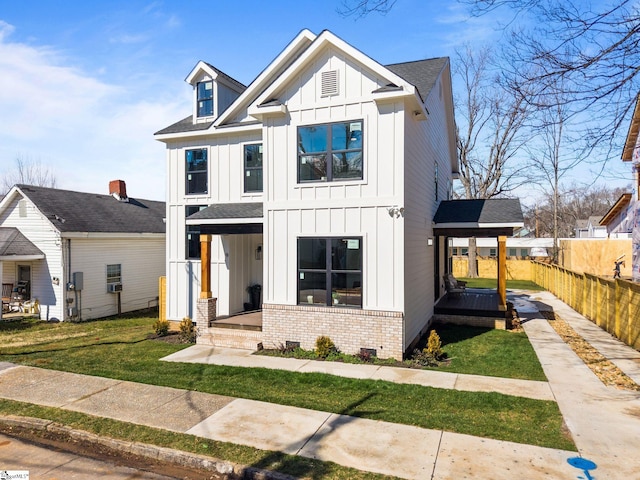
(200, 67)
(500, 225)
(328, 38)
(224, 221)
(110, 235)
(21, 258)
(262, 81)
(262, 111)
(8, 198)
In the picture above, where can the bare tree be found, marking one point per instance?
(28, 172)
(593, 48)
(490, 132)
(361, 8)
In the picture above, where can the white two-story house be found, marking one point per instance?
(319, 182)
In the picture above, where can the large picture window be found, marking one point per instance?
(192, 233)
(330, 152)
(205, 98)
(196, 171)
(330, 271)
(253, 168)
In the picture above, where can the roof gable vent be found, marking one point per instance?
(329, 83)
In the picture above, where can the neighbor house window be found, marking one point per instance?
(492, 252)
(436, 179)
(192, 233)
(253, 168)
(513, 252)
(330, 271)
(196, 170)
(464, 251)
(205, 98)
(114, 273)
(330, 152)
(524, 252)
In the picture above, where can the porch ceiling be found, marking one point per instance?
(478, 218)
(14, 246)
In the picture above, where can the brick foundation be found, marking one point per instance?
(350, 329)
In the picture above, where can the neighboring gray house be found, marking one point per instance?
(81, 255)
(590, 228)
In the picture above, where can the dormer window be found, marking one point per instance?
(205, 98)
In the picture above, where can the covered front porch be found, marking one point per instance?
(476, 218)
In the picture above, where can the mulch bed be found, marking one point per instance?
(605, 370)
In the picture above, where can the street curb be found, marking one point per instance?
(12, 424)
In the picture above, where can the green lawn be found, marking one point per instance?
(493, 282)
(91, 348)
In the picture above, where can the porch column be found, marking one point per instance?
(205, 266)
(206, 305)
(1, 267)
(502, 273)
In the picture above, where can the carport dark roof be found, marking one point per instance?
(226, 211)
(14, 244)
(478, 217)
(71, 211)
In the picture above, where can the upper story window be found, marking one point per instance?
(205, 98)
(253, 168)
(330, 152)
(196, 171)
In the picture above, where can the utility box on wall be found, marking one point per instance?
(78, 280)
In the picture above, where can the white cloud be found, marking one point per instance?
(88, 130)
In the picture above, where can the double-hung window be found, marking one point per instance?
(196, 171)
(114, 274)
(330, 152)
(253, 168)
(205, 98)
(330, 271)
(192, 242)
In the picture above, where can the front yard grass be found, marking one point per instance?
(120, 349)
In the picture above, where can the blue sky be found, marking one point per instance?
(84, 85)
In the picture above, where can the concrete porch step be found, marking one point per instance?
(230, 338)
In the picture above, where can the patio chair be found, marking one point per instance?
(453, 285)
(7, 288)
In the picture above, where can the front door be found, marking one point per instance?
(24, 281)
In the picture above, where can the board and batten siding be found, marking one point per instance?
(39, 230)
(225, 185)
(340, 208)
(142, 262)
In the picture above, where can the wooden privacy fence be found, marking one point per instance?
(613, 305)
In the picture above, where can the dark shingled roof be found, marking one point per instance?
(89, 212)
(15, 244)
(422, 74)
(229, 78)
(185, 125)
(220, 211)
(492, 211)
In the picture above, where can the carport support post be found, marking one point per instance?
(502, 273)
(206, 306)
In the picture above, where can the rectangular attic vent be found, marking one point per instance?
(329, 83)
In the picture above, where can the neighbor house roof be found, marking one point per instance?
(480, 218)
(71, 211)
(15, 246)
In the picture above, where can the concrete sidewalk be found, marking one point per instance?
(604, 422)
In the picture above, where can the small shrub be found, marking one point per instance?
(187, 331)
(325, 346)
(161, 327)
(434, 346)
(423, 358)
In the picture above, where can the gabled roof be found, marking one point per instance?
(15, 246)
(226, 212)
(632, 134)
(479, 218)
(617, 207)
(216, 74)
(70, 211)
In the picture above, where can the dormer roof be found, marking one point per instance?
(216, 74)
